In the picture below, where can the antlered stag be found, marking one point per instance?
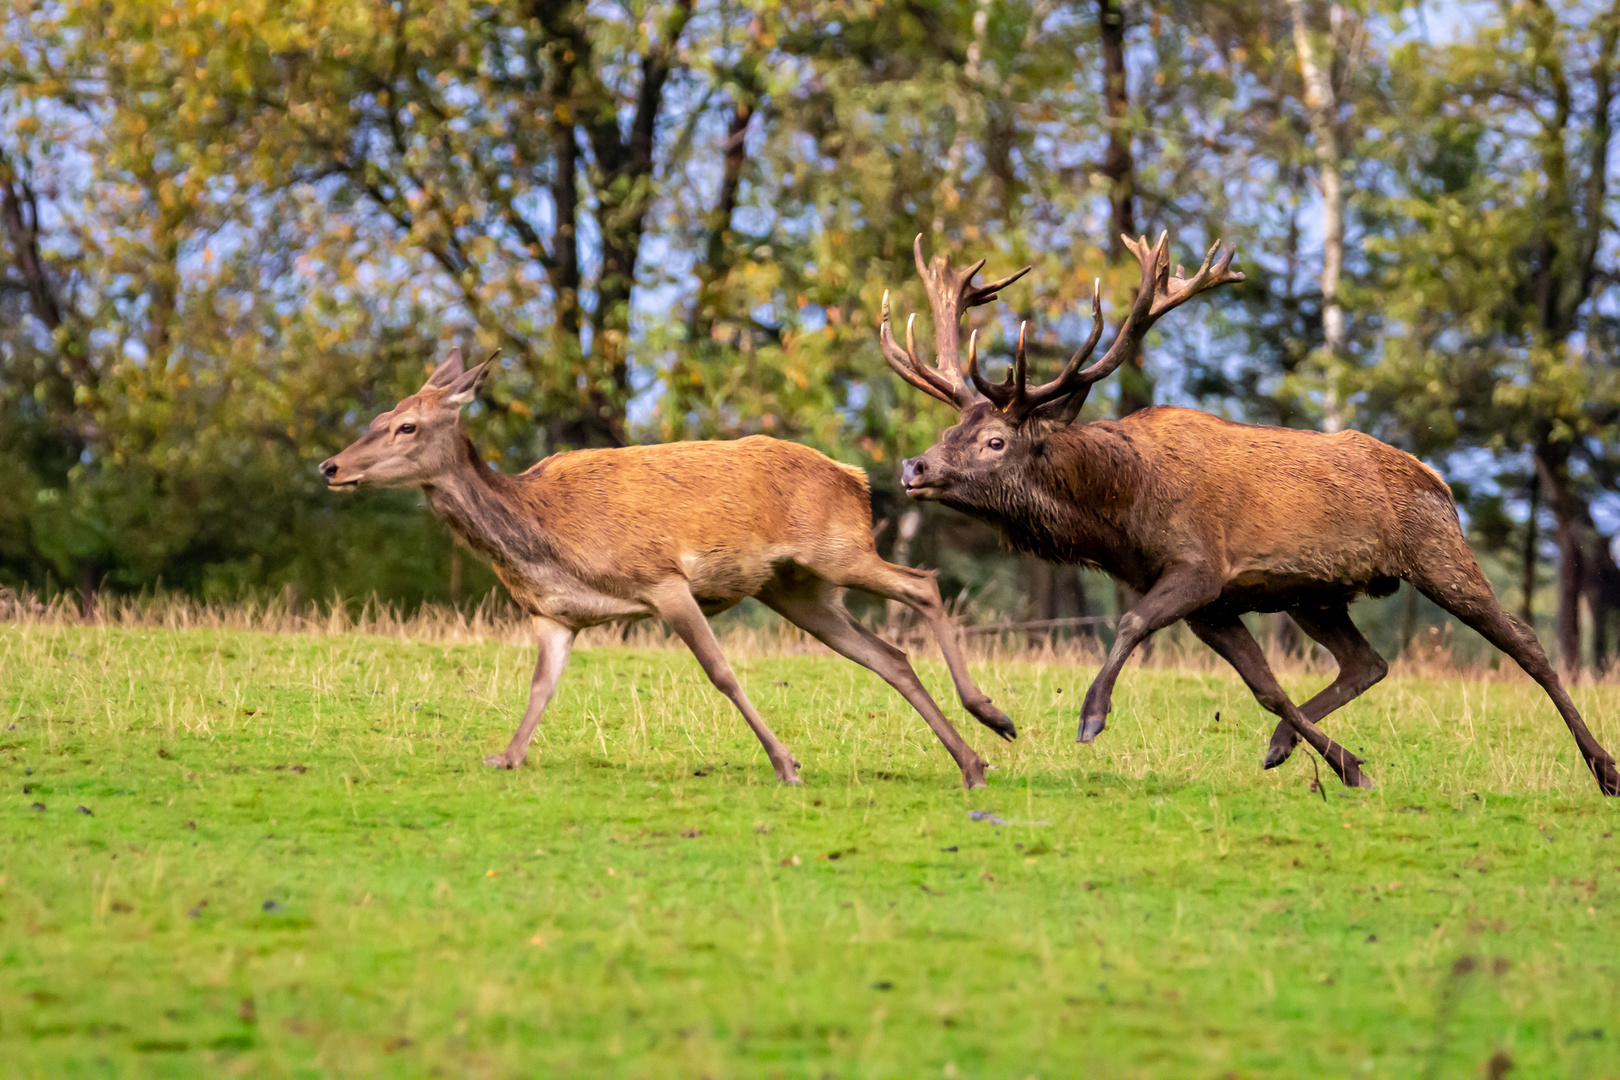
(679, 531)
(1205, 518)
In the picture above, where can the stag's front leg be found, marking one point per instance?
(1174, 596)
(556, 642)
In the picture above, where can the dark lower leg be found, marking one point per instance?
(1232, 640)
(676, 604)
(1175, 595)
(1475, 604)
(820, 613)
(1360, 668)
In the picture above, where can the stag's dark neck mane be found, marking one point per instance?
(1075, 501)
(486, 512)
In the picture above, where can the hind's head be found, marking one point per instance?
(417, 440)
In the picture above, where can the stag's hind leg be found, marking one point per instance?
(817, 607)
(919, 590)
(676, 605)
(1360, 668)
(1228, 636)
(1460, 587)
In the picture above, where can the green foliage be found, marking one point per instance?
(293, 863)
(229, 234)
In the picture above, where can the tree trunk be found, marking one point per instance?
(1551, 462)
(1527, 570)
(89, 589)
(905, 535)
(1119, 169)
(1409, 618)
(1042, 599)
(1322, 109)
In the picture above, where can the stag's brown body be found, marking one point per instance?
(678, 531)
(1279, 516)
(1205, 518)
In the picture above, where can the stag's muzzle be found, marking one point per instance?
(917, 477)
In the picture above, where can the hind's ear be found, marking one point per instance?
(447, 372)
(467, 387)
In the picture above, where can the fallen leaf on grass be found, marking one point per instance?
(273, 907)
(37, 806)
(86, 811)
(792, 860)
(691, 834)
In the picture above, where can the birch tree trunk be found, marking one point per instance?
(1322, 109)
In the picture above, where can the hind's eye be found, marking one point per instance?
(996, 444)
(406, 429)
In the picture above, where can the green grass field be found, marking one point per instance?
(274, 855)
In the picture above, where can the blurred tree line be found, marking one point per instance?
(231, 231)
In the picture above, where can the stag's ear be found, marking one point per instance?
(466, 388)
(447, 372)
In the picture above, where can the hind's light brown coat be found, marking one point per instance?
(676, 531)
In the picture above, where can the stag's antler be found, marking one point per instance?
(950, 293)
(1158, 294)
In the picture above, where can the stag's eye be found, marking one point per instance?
(406, 429)
(996, 444)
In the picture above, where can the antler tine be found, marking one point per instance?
(1157, 294)
(1028, 400)
(905, 363)
(999, 396)
(1155, 267)
(1019, 367)
(1180, 288)
(950, 293)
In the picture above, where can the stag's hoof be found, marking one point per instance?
(1277, 754)
(502, 761)
(1608, 777)
(1358, 779)
(994, 719)
(973, 775)
(1092, 726)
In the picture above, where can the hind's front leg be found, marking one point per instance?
(556, 642)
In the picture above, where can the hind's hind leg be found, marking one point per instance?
(1451, 578)
(919, 590)
(817, 607)
(1360, 668)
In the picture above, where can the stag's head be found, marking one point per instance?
(417, 440)
(981, 463)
